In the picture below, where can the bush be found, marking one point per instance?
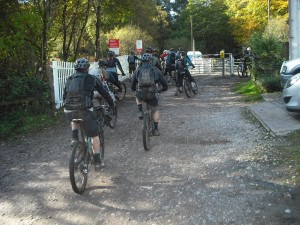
(270, 83)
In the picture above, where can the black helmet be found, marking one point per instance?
(111, 53)
(146, 57)
(183, 53)
(149, 50)
(102, 63)
(81, 64)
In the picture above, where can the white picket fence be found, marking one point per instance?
(62, 70)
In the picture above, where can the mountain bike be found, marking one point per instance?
(148, 126)
(187, 86)
(244, 71)
(81, 158)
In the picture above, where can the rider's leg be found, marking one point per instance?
(91, 128)
(140, 108)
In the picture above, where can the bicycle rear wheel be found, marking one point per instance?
(195, 89)
(79, 163)
(114, 116)
(121, 94)
(146, 131)
(187, 86)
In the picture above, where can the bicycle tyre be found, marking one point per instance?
(114, 116)
(146, 133)
(195, 89)
(121, 94)
(240, 71)
(79, 167)
(101, 137)
(187, 86)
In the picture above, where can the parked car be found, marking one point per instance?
(289, 69)
(291, 94)
(195, 57)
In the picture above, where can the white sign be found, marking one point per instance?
(139, 45)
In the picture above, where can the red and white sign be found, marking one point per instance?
(139, 46)
(114, 45)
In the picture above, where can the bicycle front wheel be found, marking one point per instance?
(78, 168)
(195, 89)
(187, 86)
(240, 70)
(146, 131)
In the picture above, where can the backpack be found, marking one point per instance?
(77, 98)
(169, 60)
(180, 63)
(111, 62)
(146, 77)
(131, 59)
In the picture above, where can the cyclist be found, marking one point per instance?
(78, 94)
(112, 64)
(247, 57)
(132, 63)
(181, 66)
(144, 85)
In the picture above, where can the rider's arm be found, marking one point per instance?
(119, 66)
(102, 91)
(161, 79)
(188, 61)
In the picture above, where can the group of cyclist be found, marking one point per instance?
(80, 89)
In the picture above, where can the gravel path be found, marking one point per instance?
(213, 164)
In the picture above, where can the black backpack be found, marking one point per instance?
(180, 63)
(146, 76)
(77, 97)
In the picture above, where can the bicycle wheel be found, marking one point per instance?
(195, 89)
(240, 70)
(146, 131)
(187, 88)
(113, 121)
(79, 167)
(121, 94)
(101, 137)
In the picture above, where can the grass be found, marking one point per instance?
(249, 91)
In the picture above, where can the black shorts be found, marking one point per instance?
(90, 124)
(132, 67)
(150, 97)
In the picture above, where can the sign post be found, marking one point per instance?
(139, 46)
(114, 45)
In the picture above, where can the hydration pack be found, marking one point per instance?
(146, 76)
(131, 59)
(180, 63)
(77, 97)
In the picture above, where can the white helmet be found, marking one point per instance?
(248, 49)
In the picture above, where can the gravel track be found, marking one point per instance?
(213, 164)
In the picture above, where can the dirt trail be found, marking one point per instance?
(211, 165)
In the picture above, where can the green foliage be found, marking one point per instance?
(21, 123)
(249, 91)
(270, 83)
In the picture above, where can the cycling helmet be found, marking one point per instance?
(183, 53)
(248, 49)
(111, 53)
(81, 64)
(102, 63)
(149, 50)
(146, 57)
(171, 49)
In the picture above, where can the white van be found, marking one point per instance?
(195, 56)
